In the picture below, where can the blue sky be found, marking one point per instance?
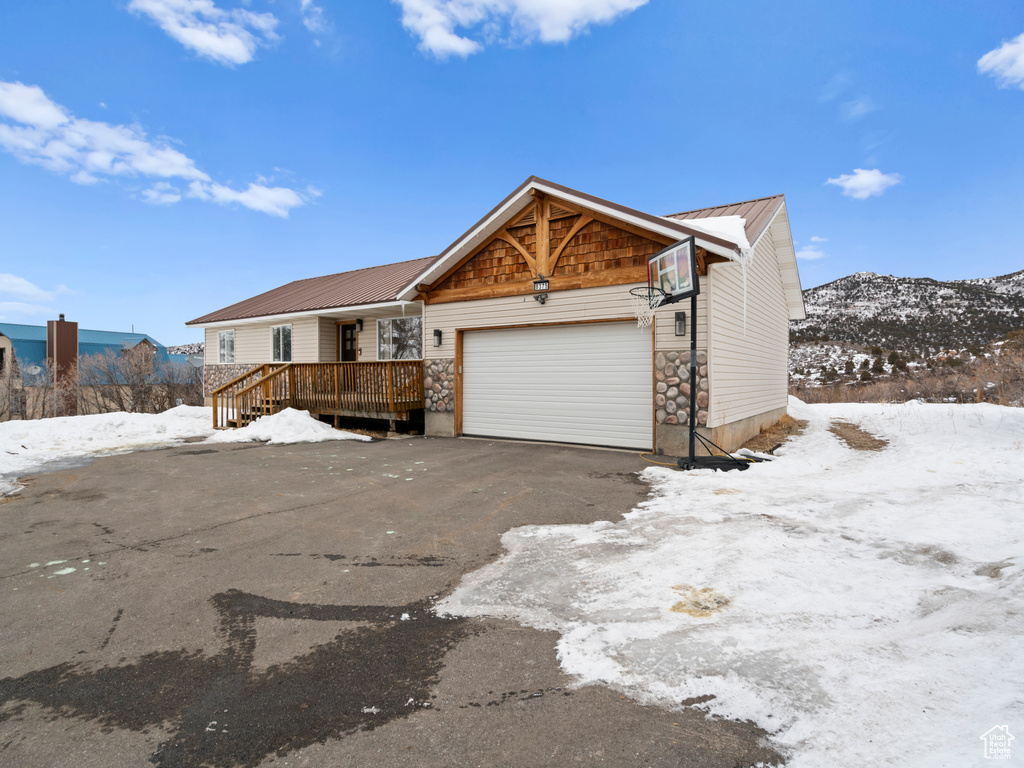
(160, 159)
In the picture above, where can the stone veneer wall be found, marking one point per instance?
(672, 388)
(439, 385)
(217, 375)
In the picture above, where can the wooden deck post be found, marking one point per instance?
(337, 390)
(391, 386)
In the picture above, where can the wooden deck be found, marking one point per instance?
(384, 390)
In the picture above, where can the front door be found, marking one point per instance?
(347, 350)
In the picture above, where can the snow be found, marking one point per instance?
(732, 228)
(864, 608)
(32, 446)
(287, 426)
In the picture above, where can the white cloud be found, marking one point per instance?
(816, 239)
(28, 104)
(862, 184)
(852, 110)
(40, 132)
(17, 309)
(29, 298)
(162, 193)
(313, 17)
(226, 36)
(810, 253)
(435, 22)
(276, 201)
(1005, 63)
(20, 288)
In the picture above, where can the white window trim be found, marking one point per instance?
(291, 339)
(376, 339)
(222, 352)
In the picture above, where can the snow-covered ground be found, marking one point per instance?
(864, 608)
(31, 446)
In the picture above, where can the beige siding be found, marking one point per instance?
(314, 339)
(605, 303)
(253, 345)
(787, 264)
(328, 340)
(748, 358)
(305, 339)
(366, 341)
(665, 322)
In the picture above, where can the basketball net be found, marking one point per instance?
(645, 300)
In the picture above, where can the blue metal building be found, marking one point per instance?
(29, 344)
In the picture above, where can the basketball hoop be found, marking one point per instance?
(645, 300)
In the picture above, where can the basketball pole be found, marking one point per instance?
(693, 378)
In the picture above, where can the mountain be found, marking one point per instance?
(912, 314)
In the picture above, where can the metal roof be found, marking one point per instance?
(114, 338)
(372, 285)
(389, 282)
(519, 198)
(756, 213)
(18, 332)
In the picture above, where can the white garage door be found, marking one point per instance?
(569, 383)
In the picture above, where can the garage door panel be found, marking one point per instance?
(576, 383)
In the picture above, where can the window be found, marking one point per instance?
(226, 347)
(281, 343)
(400, 338)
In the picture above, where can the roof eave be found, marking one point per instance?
(797, 310)
(517, 200)
(227, 322)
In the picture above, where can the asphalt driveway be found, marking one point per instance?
(270, 605)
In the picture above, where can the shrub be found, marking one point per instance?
(136, 381)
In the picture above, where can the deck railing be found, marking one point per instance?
(388, 389)
(223, 397)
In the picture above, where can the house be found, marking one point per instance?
(28, 347)
(523, 328)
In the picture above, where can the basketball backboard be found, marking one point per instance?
(674, 270)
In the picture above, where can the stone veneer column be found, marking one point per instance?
(439, 386)
(672, 388)
(216, 375)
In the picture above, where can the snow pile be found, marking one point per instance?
(32, 446)
(732, 228)
(864, 608)
(287, 426)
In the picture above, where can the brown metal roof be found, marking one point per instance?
(384, 283)
(757, 213)
(372, 285)
(657, 220)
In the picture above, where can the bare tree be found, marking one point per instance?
(11, 394)
(136, 380)
(48, 393)
(179, 384)
(1004, 367)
